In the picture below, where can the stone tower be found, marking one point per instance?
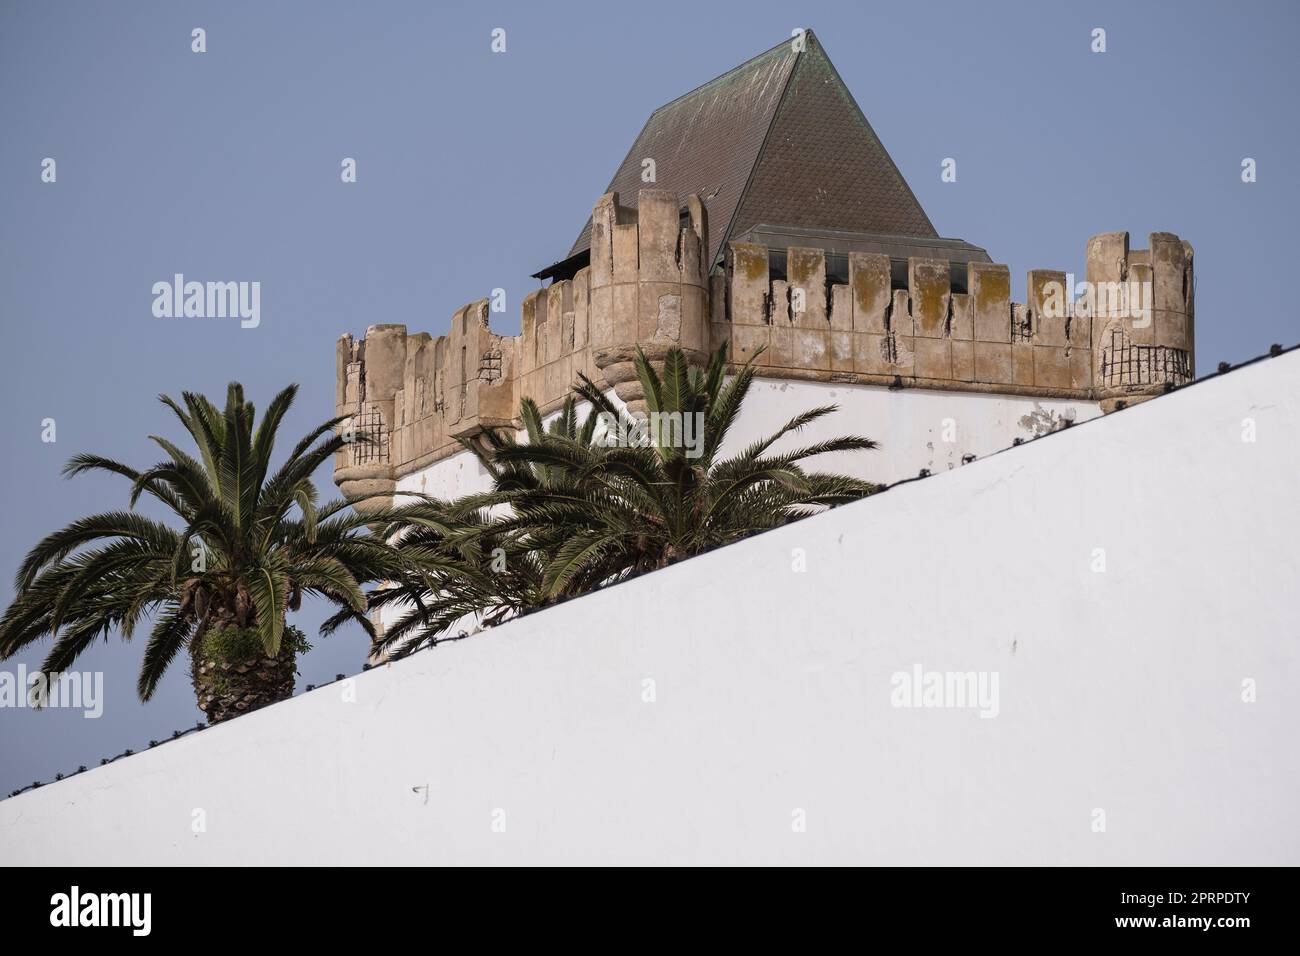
(780, 228)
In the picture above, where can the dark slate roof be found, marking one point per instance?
(777, 139)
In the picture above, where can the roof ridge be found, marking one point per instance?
(734, 69)
(758, 155)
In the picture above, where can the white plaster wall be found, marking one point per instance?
(461, 474)
(1119, 690)
(916, 428)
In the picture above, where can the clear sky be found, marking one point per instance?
(477, 168)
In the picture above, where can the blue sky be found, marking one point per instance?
(475, 169)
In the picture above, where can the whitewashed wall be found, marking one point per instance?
(916, 428)
(1120, 690)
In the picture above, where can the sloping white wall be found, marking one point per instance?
(1119, 690)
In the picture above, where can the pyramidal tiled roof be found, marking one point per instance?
(778, 139)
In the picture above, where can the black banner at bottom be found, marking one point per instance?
(337, 905)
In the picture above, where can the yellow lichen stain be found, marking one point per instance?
(755, 267)
(993, 284)
(930, 295)
(870, 289)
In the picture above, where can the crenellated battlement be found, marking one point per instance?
(414, 396)
(872, 320)
(1127, 333)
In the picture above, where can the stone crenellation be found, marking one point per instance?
(647, 285)
(928, 335)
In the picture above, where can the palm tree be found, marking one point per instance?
(467, 569)
(575, 507)
(649, 503)
(247, 548)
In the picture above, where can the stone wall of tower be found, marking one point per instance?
(1133, 358)
(1123, 335)
(1128, 334)
(410, 398)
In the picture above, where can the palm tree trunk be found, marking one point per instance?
(226, 689)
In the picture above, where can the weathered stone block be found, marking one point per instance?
(1045, 291)
(870, 283)
(869, 353)
(1081, 374)
(841, 308)
(749, 284)
(604, 217)
(660, 306)
(1107, 262)
(842, 350)
(990, 292)
(812, 349)
(778, 306)
(626, 253)
(1022, 363)
(694, 331)
(963, 323)
(806, 272)
(781, 354)
(963, 360)
(933, 358)
(601, 325)
(657, 229)
(1079, 331)
(718, 300)
(993, 363)
(900, 314)
(581, 309)
(625, 301)
(719, 335)
(1136, 305)
(905, 355)
(1051, 367)
(746, 340)
(929, 288)
(1171, 330)
(559, 300)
